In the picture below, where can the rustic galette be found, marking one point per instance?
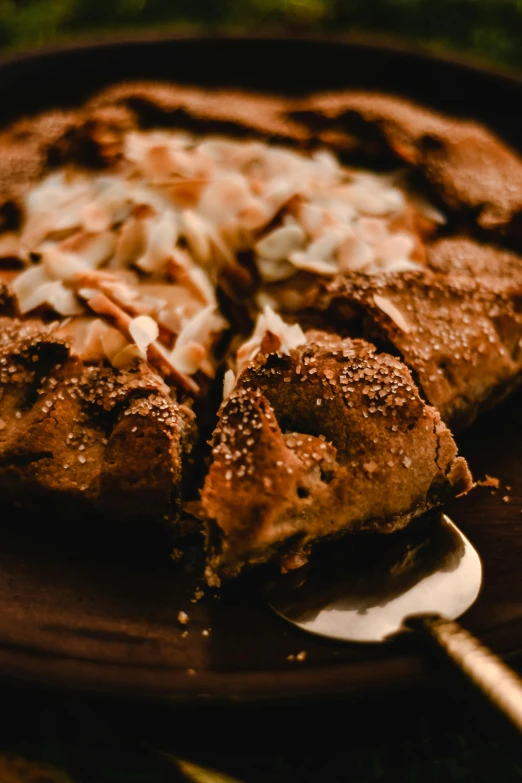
(319, 287)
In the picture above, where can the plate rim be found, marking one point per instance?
(366, 41)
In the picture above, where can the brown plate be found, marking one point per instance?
(91, 609)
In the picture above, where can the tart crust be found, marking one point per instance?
(86, 438)
(460, 335)
(454, 328)
(332, 439)
(471, 170)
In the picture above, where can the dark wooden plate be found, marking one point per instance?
(84, 608)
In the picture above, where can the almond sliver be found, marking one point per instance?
(143, 331)
(393, 312)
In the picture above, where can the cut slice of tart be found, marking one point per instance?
(316, 440)
(83, 438)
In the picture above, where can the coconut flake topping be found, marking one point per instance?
(169, 224)
(271, 334)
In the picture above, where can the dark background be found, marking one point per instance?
(490, 29)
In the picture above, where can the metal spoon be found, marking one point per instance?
(420, 579)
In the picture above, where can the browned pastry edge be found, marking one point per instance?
(467, 159)
(461, 336)
(471, 172)
(93, 134)
(467, 167)
(333, 439)
(86, 438)
(463, 256)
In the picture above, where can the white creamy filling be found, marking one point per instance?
(151, 237)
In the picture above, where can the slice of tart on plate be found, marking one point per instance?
(320, 436)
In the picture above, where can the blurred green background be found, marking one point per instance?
(490, 29)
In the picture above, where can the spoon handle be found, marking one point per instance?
(489, 674)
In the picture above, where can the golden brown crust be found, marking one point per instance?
(31, 146)
(462, 341)
(24, 150)
(461, 336)
(463, 256)
(224, 111)
(67, 431)
(332, 439)
(468, 167)
(93, 134)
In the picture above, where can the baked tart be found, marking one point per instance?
(320, 287)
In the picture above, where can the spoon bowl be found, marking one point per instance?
(429, 569)
(421, 579)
